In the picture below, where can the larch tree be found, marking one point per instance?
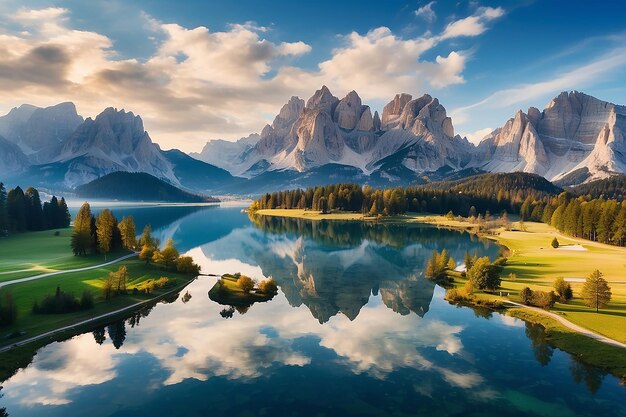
(596, 291)
(128, 232)
(104, 229)
(82, 240)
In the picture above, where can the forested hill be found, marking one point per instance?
(515, 186)
(612, 187)
(137, 186)
(479, 194)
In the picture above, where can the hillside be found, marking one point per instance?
(516, 185)
(612, 187)
(137, 186)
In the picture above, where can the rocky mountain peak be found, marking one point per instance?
(394, 108)
(322, 100)
(288, 113)
(348, 111)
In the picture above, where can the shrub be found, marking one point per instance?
(86, 300)
(8, 310)
(185, 265)
(526, 295)
(268, 286)
(555, 243)
(501, 261)
(484, 275)
(62, 302)
(563, 289)
(543, 299)
(245, 283)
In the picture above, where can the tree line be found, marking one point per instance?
(23, 211)
(102, 233)
(598, 219)
(490, 193)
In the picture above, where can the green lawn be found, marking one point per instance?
(36, 253)
(25, 295)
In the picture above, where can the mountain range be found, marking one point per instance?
(55, 148)
(576, 138)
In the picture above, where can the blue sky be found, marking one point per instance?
(197, 70)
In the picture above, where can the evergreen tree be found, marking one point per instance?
(4, 223)
(34, 213)
(104, 230)
(596, 291)
(82, 239)
(16, 209)
(127, 232)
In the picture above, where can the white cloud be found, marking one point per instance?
(472, 25)
(568, 79)
(200, 84)
(426, 12)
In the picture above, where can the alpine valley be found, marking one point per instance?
(575, 139)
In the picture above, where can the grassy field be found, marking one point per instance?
(536, 264)
(36, 253)
(25, 295)
(312, 215)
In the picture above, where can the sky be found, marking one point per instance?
(201, 70)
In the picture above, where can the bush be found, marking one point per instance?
(245, 283)
(268, 286)
(501, 261)
(484, 275)
(555, 243)
(563, 289)
(185, 265)
(8, 310)
(543, 299)
(62, 302)
(86, 301)
(526, 295)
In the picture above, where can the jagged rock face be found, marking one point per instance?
(289, 113)
(574, 132)
(322, 100)
(366, 121)
(328, 130)
(394, 108)
(515, 145)
(12, 159)
(39, 131)
(348, 111)
(114, 141)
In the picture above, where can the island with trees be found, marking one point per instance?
(239, 292)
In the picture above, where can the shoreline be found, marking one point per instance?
(594, 351)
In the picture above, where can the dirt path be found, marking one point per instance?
(90, 320)
(67, 271)
(572, 326)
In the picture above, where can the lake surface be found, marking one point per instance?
(356, 330)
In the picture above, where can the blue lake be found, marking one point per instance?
(356, 330)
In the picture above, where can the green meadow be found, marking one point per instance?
(35, 253)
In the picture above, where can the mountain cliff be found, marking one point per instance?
(39, 131)
(327, 130)
(114, 141)
(574, 139)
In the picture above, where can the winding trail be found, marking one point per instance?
(572, 326)
(73, 326)
(65, 271)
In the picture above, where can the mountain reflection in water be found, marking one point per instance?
(355, 330)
